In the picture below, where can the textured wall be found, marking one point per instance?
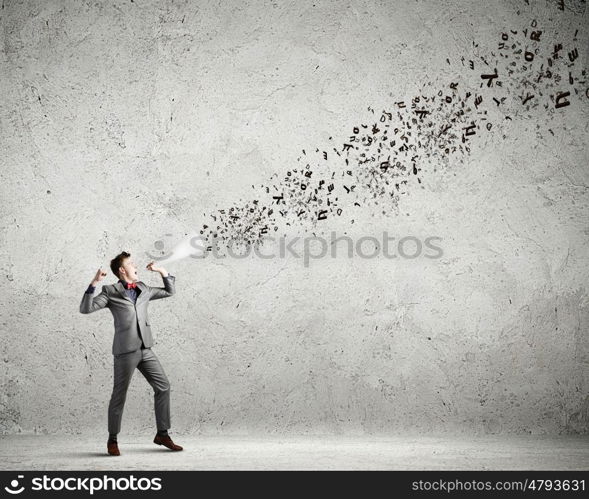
(124, 121)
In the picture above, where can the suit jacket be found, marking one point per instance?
(129, 318)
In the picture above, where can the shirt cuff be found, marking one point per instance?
(169, 275)
(90, 289)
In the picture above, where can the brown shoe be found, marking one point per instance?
(113, 448)
(167, 442)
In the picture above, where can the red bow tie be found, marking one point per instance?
(130, 285)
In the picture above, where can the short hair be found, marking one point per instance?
(117, 261)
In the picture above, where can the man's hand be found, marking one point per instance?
(151, 266)
(100, 274)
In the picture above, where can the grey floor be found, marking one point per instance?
(506, 452)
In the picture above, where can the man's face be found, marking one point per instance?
(128, 270)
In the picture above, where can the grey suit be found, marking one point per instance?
(131, 323)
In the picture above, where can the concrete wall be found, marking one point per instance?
(128, 125)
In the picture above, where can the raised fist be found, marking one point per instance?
(100, 274)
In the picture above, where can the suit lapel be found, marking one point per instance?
(143, 289)
(120, 288)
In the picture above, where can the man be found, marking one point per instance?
(128, 300)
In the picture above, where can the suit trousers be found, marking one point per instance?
(149, 365)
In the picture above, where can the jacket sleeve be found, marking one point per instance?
(90, 304)
(168, 290)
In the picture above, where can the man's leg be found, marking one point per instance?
(154, 373)
(124, 366)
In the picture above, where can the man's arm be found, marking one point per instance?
(169, 286)
(90, 304)
(168, 290)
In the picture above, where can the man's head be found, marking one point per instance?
(123, 267)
